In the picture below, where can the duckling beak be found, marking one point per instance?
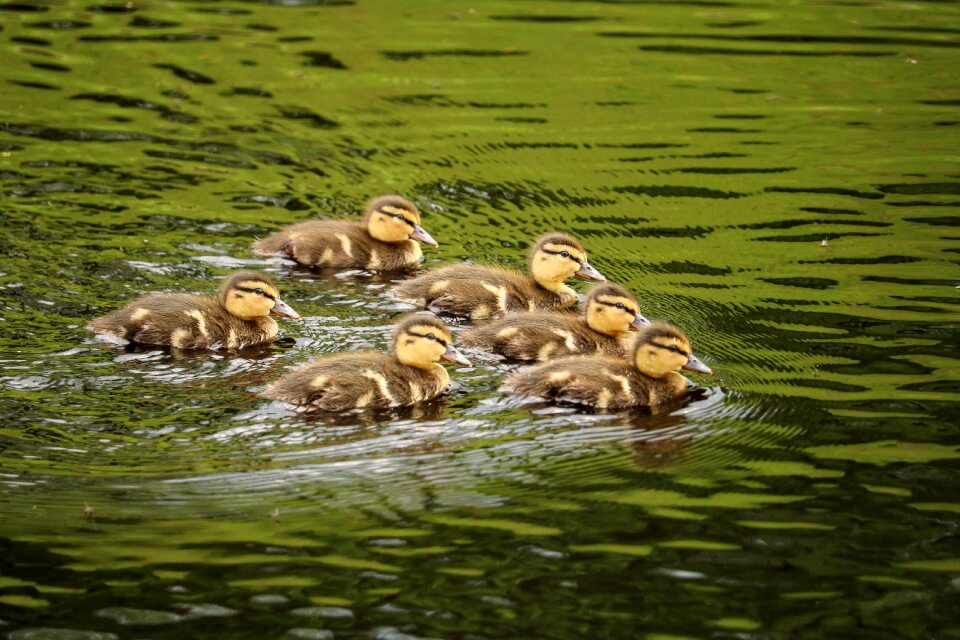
(420, 235)
(281, 308)
(586, 272)
(694, 364)
(639, 323)
(452, 355)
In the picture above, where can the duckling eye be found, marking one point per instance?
(564, 254)
(620, 305)
(258, 291)
(430, 336)
(674, 348)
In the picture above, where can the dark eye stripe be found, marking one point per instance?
(556, 253)
(613, 304)
(670, 347)
(252, 290)
(400, 216)
(437, 338)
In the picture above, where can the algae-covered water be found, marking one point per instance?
(702, 150)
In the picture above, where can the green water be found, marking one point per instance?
(702, 151)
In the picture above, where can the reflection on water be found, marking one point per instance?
(703, 151)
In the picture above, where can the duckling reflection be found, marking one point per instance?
(479, 291)
(409, 374)
(609, 313)
(237, 318)
(388, 238)
(649, 377)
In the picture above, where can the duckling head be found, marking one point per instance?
(396, 219)
(420, 340)
(249, 295)
(661, 348)
(558, 256)
(612, 310)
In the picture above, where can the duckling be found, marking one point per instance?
(481, 291)
(407, 375)
(387, 239)
(610, 312)
(648, 378)
(238, 317)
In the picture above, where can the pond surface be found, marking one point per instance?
(703, 151)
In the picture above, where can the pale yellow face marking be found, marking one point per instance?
(656, 362)
(418, 351)
(345, 244)
(546, 350)
(382, 385)
(550, 270)
(319, 382)
(560, 376)
(609, 320)
(197, 315)
(439, 286)
(374, 262)
(326, 257)
(180, 337)
(232, 339)
(365, 399)
(253, 284)
(139, 314)
(603, 398)
(509, 332)
(568, 339)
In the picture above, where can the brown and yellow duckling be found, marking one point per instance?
(609, 313)
(648, 378)
(479, 291)
(410, 373)
(238, 317)
(386, 239)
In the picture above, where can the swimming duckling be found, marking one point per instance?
(238, 317)
(610, 312)
(649, 377)
(482, 291)
(386, 239)
(407, 375)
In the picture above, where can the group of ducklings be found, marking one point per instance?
(587, 359)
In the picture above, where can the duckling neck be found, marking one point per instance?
(557, 287)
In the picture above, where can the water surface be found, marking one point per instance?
(780, 180)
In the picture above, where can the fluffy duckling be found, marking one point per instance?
(386, 239)
(481, 291)
(648, 378)
(609, 313)
(238, 317)
(407, 375)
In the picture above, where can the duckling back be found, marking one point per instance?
(478, 292)
(339, 244)
(183, 321)
(596, 381)
(541, 336)
(357, 381)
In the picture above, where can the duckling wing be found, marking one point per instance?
(337, 383)
(532, 336)
(177, 320)
(466, 290)
(324, 243)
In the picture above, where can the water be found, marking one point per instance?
(703, 151)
